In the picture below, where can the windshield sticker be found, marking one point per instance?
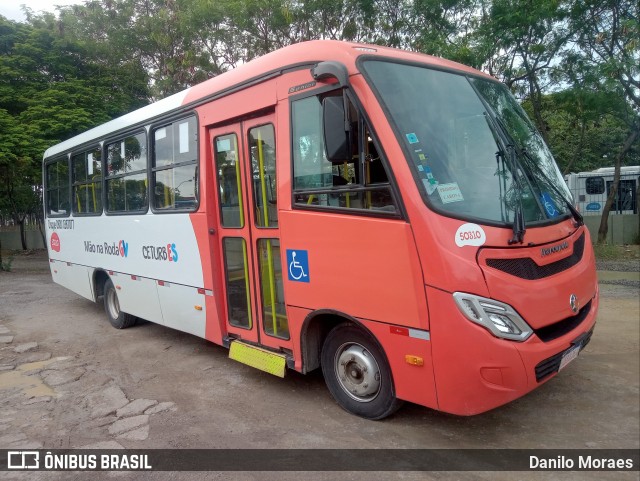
(549, 206)
(430, 185)
(470, 235)
(412, 138)
(450, 193)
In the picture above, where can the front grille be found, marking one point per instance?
(560, 328)
(526, 268)
(552, 364)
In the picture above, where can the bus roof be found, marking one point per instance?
(271, 64)
(606, 171)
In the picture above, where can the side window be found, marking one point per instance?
(595, 185)
(360, 183)
(127, 174)
(57, 178)
(87, 182)
(174, 166)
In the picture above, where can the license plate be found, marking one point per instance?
(569, 356)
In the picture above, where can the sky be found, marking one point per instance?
(12, 10)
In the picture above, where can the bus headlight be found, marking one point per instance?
(497, 317)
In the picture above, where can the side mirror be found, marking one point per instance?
(337, 136)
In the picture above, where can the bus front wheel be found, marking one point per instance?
(117, 318)
(357, 373)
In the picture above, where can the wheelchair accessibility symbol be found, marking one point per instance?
(298, 262)
(549, 206)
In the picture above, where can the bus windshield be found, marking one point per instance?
(475, 153)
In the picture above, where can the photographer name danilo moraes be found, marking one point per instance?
(583, 462)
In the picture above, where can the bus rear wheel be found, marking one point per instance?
(117, 318)
(357, 373)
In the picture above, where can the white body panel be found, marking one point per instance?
(74, 277)
(152, 259)
(98, 242)
(138, 296)
(178, 304)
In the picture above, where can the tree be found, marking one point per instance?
(609, 58)
(51, 88)
(524, 39)
(584, 127)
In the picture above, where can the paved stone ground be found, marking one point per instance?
(44, 394)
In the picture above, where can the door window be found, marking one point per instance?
(262, 150)
(273, 308)
(229, 180)
(237, 279)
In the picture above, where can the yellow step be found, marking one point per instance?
(259, 358)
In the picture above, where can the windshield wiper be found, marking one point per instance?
(579, 220)
(507, 145)
(519, 226)
(532, 164)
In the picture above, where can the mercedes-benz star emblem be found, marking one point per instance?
(573, 302)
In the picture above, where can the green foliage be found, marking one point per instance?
(5, 265)
(52, 87)
(586, 129)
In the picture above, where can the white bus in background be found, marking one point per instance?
(591, 189)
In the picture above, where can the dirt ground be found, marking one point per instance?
(69, 380)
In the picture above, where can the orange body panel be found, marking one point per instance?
(476, 372)
(548, 302)
(413, 383)
(367, 268)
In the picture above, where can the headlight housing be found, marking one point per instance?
(498, 318)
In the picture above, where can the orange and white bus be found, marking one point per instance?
(389, 217)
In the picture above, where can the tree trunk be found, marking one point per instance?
(40, 223)
(604, 226)
(23, 235)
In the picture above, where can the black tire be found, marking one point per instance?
(357, 373)
(117, 318)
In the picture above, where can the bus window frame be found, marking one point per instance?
(103, 184)
(106, 141)
(46, 188)
(400, 214)
(151, 129)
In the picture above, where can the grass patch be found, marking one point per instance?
(616, 253)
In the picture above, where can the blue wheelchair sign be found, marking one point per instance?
(298, 265)
(548, 204)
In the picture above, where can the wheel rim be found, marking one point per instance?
(112, 304)
(357, 372)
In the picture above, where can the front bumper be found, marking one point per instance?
(476, 372)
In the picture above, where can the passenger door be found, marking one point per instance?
(249, 235)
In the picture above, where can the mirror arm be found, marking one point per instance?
(328, 70)
(347, 119)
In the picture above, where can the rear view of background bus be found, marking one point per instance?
(388, 217)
